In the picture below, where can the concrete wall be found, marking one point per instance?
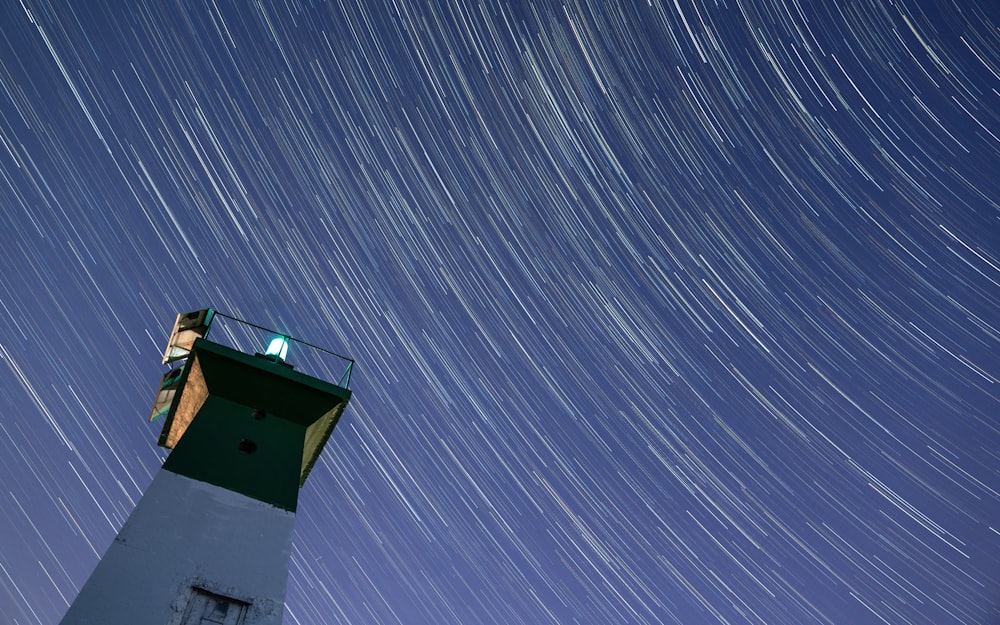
(186, 533)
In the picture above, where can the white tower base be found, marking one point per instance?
(191, 553)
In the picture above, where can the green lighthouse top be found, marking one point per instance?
(250, 423)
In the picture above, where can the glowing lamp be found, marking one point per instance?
(277, 349)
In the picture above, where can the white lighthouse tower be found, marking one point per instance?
(209, 542)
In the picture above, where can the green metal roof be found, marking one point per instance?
(249, 423)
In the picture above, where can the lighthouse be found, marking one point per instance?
(209, 542)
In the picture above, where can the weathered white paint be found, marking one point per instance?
(186, 533)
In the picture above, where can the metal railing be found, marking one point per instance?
(251, 338)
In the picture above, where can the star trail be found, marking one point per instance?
(663, 312)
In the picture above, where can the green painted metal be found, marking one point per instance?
(248, 423)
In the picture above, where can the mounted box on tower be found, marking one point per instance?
(187, 328)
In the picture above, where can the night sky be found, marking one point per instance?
(666, 312)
